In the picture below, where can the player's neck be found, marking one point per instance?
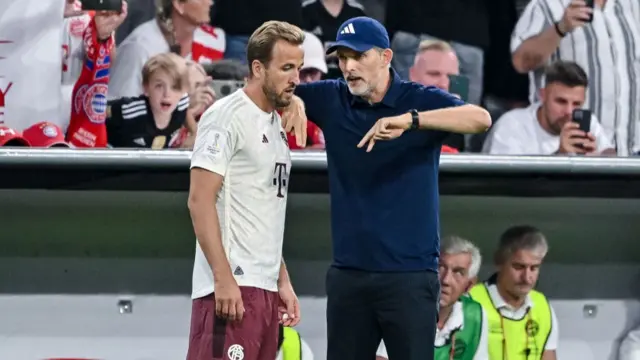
(443, 315)
(255, 93)
(378, 93)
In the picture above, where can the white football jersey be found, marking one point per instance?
(247, 146)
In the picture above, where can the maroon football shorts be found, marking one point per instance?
(254, 338)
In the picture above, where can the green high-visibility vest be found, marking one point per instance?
(467, 339)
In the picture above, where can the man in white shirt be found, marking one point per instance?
(461, 321)
(547, 128)
(522, 321)
(603, 40)
(630, 347)
(238, 197)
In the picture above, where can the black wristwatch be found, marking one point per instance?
(415, 119)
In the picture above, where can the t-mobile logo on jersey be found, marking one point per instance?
(280, 178)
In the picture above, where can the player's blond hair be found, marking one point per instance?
(263, 40)
(172, 65)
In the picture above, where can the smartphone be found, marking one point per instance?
(591, 4)
(223, 88)
(583, 118)
(459, 85)
(102, 5)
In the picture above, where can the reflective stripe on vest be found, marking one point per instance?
(291, 345)
(467, 339)
(525, 338)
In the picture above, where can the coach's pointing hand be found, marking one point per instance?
(387, 128)
(228, 299)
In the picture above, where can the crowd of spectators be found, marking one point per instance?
(534, 64)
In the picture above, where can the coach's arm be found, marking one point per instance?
(446, 113)
(465, 119)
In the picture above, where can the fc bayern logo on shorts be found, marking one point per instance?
(95, 103)
(235, 352)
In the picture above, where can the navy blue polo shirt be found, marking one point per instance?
(384, 204)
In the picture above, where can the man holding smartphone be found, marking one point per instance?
(600, 36)
(556, 125)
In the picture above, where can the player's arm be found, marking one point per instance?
(288, 298)
(283, 276)
(214, 146)
(203, 189)
(450, 114)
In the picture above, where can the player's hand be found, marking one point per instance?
(108, 21)
(294, 119)
(289, 308)
(202, 97)
(387, 128)
(228, 299)
(575, 16)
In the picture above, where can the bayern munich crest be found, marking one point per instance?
(95, 103)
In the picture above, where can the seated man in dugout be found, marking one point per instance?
(522, 321)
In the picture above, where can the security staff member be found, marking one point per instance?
(522, 323)
(291, 346)
(383, 282)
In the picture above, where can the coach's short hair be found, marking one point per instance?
(169, 63)
(567, 73)
(263, 40)
(520, 237)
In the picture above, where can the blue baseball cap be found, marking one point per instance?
(361, 34)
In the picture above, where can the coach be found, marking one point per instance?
(383, 282)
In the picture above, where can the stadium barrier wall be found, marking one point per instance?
(111, 221)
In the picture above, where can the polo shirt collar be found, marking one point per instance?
(453, 323)
(392, 95)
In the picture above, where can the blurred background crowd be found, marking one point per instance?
(558, 77)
